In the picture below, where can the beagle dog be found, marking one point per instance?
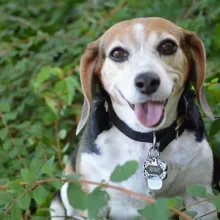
(136, 79)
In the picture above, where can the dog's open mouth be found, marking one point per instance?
(149, 113)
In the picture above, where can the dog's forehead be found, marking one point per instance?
(132, 29)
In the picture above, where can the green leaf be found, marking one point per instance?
(40, 194)
(3, 133)
(16, 212)
(57, 184)
(100, 197)
(162, 206)
(16, 188)
(36, 165)
(149, 211)
(62, 134)
(24, 201)
(65, 90)
(124, 171)
(35, 129)
(215, 128)
(74, 176)
(217, 202)
(176, 202)
(5, 105)
(77, 197)
(10, 116)
(48, 167)
(66, 147)
(156, 211)
(197, 190)
(215, 80)
(46, 72)
(216, 36)
(5, 197)
(7, 145)
(28, 175)
(52, 104)
(215, 87)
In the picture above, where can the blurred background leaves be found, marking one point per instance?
(41, 43)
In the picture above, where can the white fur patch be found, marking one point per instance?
(139, 34)
(70, 211)
(186, 161)
(57, 210)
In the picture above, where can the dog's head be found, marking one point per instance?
(144, 64)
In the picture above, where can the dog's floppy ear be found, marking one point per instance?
(88, 66)
(198, 69)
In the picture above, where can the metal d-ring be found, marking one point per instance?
(153, 149)
(154, 140)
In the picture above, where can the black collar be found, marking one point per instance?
(163, 137)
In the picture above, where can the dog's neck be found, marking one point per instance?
(99, 118)
(162, 137)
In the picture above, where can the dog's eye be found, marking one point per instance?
(167, 47)
(118, 54)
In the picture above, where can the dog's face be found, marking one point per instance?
(143, 64)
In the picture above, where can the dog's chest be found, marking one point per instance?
(115, 148)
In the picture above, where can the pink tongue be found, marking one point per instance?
(149, 113)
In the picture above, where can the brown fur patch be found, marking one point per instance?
(123, 30)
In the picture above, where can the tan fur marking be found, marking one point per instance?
(150, 24)
(68, 169)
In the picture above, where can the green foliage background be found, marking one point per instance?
(40, 96)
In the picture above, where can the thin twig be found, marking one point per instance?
(215, 117)
(26, 214)
(187, 12)
(20, 20)
(208, 213)
(20, 196)
(198, 202)
(43, 153)
(12, 139)
(114, 10)
(3, 187)
(181, 214)
(62, 216)
(44, 37)
(59, 152)
(121, 189)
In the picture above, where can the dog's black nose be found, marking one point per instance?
(147, 83)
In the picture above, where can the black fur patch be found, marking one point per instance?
(98, 122)
(73, 159)
(216, 174)
(193, 120)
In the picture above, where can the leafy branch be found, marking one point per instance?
(12, 139)
(20, 20)
(59, 153)
(104, 185)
